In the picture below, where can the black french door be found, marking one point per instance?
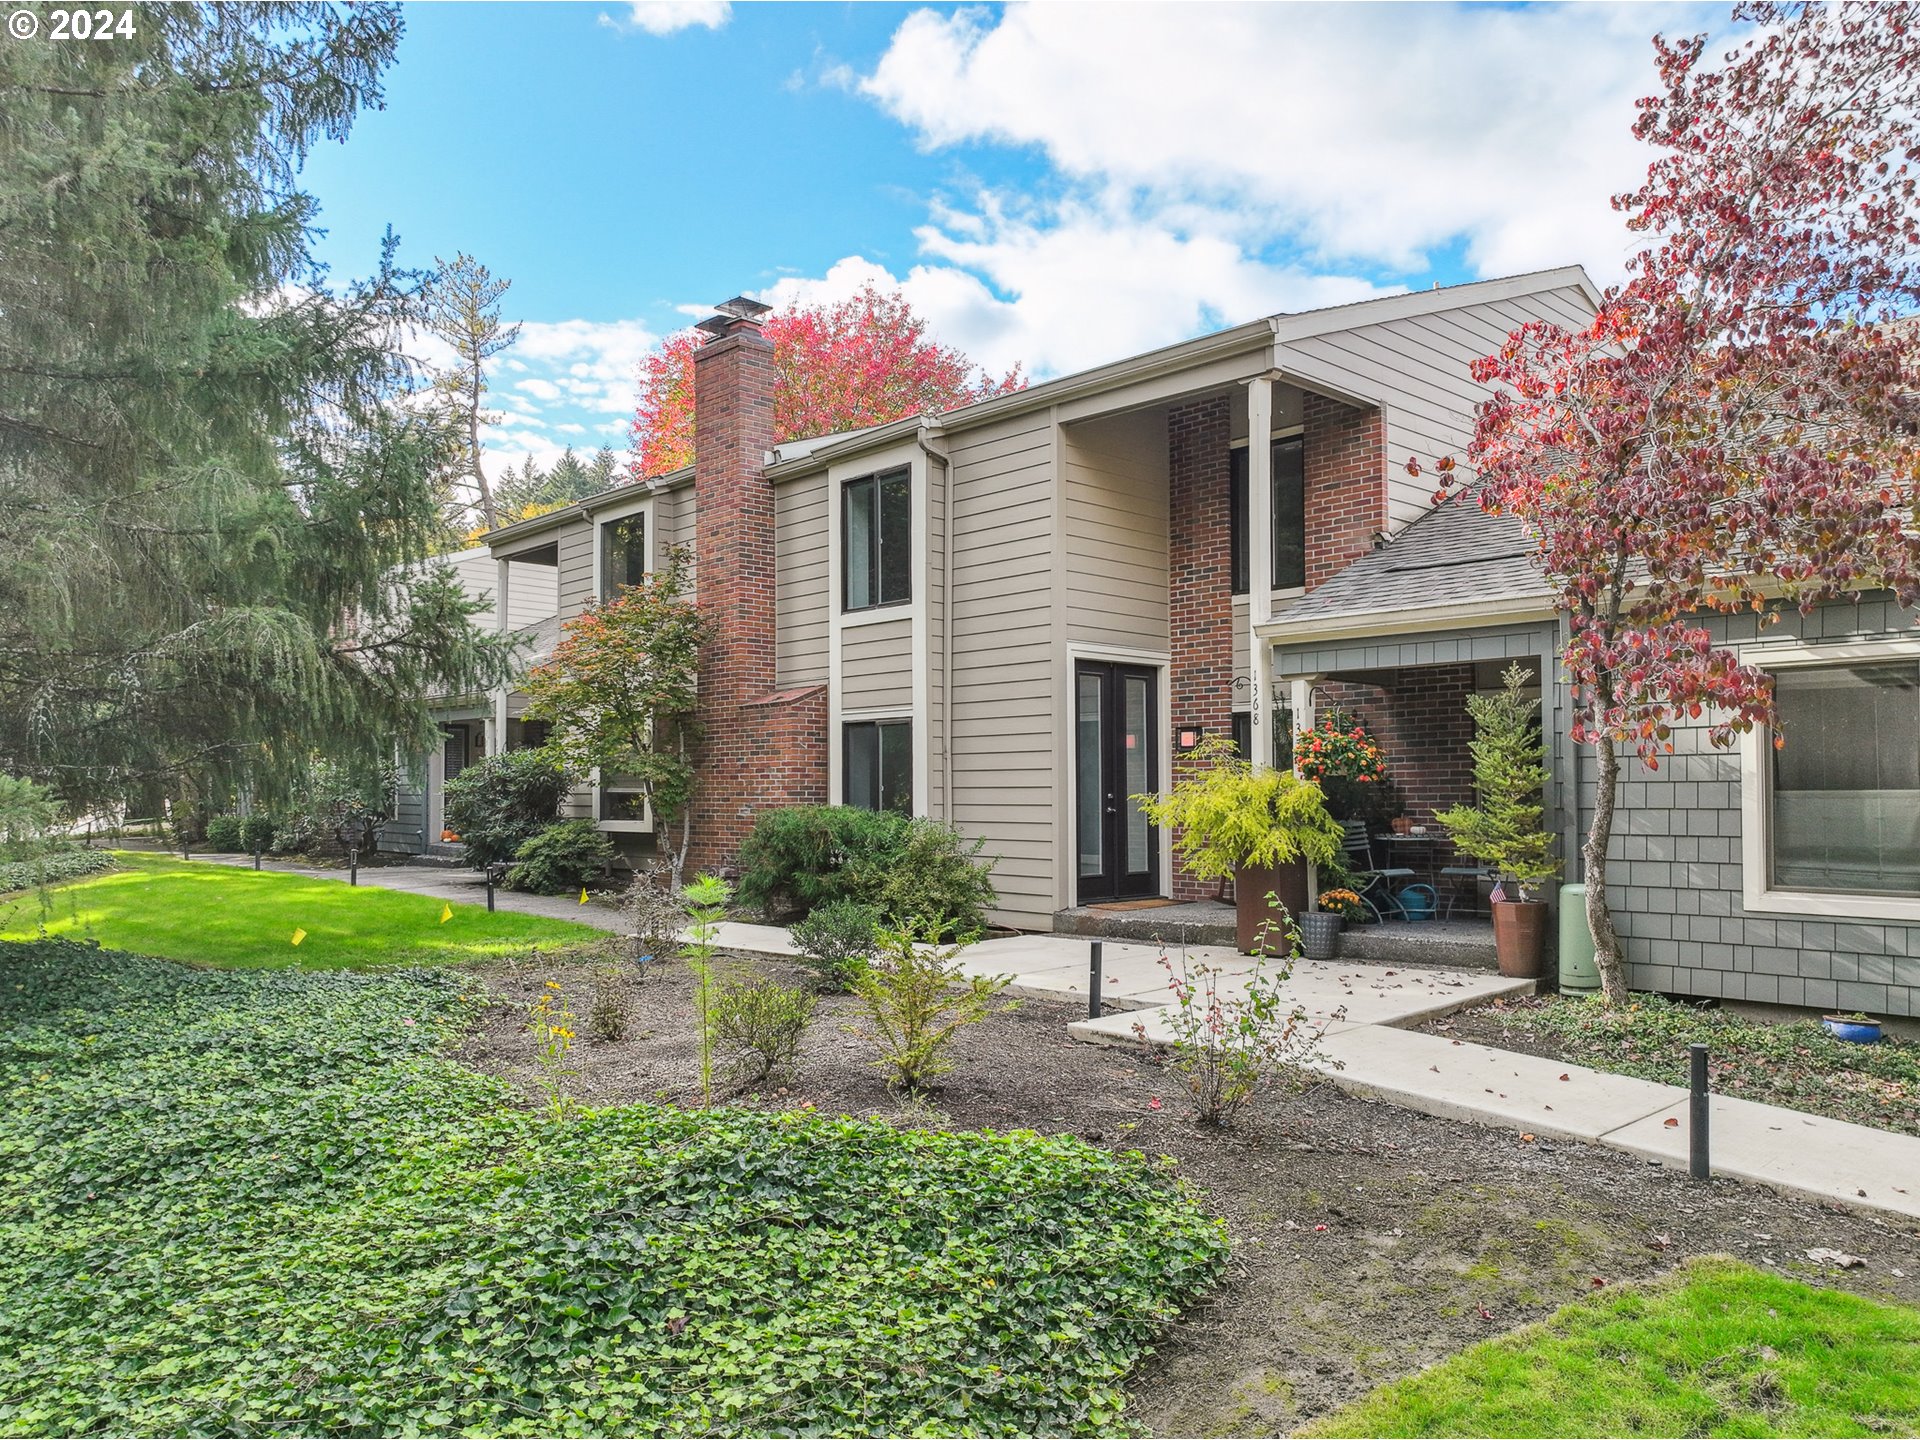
(1116, 756)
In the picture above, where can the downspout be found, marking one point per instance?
(945, 462)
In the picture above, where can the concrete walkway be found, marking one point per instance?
(1365, 1012)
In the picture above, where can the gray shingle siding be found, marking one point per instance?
(1676, 876)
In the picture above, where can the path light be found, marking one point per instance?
(1697, 1158)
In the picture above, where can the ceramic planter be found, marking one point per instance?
(1851, 1029)
(1320, 934)
(1251, 886)
(1519, 937)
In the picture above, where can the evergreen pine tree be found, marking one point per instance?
(1509, 775)
(217, 486)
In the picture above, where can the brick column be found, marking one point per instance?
(1200, 580)
(733, 378)
(1346, 463)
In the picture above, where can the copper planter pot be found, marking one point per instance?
(1251, 886)
(1519, 937)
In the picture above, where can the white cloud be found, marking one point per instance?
(1359, 133)
(663, 17)
(1075, 286)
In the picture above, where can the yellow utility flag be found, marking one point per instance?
(446, 913)
(298, 936)
(583, 894)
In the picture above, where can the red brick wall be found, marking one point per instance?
(1420, 718)
(1346, 463)
(760, 750)
(1200, 580)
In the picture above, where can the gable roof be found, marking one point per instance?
(1453, 562)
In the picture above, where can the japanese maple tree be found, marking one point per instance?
(620, 690)
(1735, 431)
(866, 360)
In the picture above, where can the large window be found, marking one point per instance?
(1289, 516)
(623, 553)
(877, 540)
(1845, 801)
(879, 765)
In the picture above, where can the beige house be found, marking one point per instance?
(1009, 615)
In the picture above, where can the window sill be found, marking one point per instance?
(1826, 905)
(626, 827)
(873, 614)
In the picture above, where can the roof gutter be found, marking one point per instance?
(1418, 619)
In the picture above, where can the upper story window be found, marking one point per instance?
(1845, 802)
(1289, 516)
(623, 553)
(876, 540)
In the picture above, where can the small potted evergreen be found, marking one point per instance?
(1262, 828)
(1502, 829)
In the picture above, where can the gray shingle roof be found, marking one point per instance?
(1455, 555)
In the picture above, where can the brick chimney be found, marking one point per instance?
(760, 748)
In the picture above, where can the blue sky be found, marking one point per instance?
(1056, 185)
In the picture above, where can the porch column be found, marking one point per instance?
(1260, 563)
(496, 725)
(1303, 716)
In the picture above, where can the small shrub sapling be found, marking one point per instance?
(1229, 1046)
(916, 999)
(707, 899)
(765, 1023)
(838, 940)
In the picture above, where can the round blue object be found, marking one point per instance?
(1418, 902)
(1857, 1032)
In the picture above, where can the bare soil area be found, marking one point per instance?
(1369, 1241)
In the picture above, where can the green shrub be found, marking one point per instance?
(499, 804)
(337, 806)
(53, 867)
(803, 856)
(223, 833)
(917, 999)
(256, 833)
(765, 1023)
(560, 859)
(408, 1247)
(936, 884)
(915, 872)
(837, 940)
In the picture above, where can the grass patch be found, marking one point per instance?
(212, 914)
(1716, 1348)
(1797, 1065)
(250, 1202)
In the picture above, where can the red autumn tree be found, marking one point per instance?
(863, 361)
(1735, 429)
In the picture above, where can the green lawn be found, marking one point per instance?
(1717, 1348)
(268, 1202)
(211, 914)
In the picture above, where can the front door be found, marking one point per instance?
(1115, 758)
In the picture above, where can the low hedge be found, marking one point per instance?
(52, 868)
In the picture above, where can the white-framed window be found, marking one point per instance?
(619, 804)
(1831, 813)
(1288, 514)
(876, 540)
(878, 765)
(623, 553)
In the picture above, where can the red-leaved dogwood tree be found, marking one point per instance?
(1735, 431)
(866, 360)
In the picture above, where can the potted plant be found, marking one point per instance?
(1856, 1029)
(1320, 928)
(1261, 828)
(1502, 829)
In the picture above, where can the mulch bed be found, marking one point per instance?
(1369, 1241)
